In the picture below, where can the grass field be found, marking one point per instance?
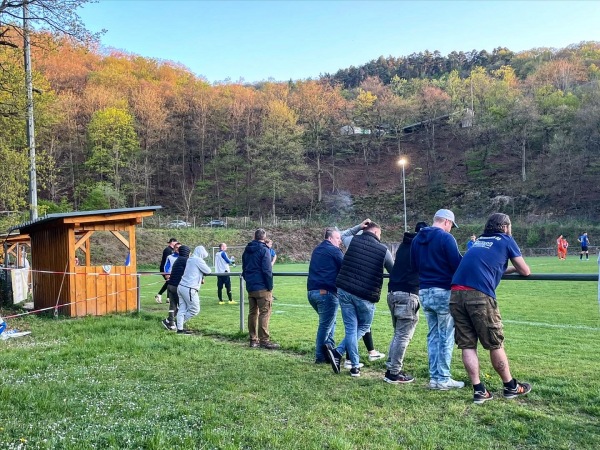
(125, 382)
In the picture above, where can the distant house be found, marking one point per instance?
(349, 130)
(352, 130)
(466, 120)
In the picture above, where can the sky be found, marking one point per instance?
(281, 40)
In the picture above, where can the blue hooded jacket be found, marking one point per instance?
(434, 254)
(256, 267)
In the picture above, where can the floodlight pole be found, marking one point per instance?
(402, 162)
(33, 213)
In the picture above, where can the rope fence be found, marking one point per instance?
(511, 277)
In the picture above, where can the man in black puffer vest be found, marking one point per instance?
(359, 288)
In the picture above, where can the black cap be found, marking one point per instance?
(420, 225)
(172, 240)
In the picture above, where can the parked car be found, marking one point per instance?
(179, 224)
(215, 223)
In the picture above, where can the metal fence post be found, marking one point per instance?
(139, 301)
(242, 303)
(598, 281)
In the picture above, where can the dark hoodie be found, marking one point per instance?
(256, 267)
(434, 254)
(403, 278)
(179, 266)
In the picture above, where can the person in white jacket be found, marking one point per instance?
(189, 286)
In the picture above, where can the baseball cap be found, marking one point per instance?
(448, 215)
(172, 240)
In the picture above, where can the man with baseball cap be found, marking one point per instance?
(435, 255)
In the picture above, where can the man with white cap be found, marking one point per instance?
(435, 255)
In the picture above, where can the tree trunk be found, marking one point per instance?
(319, 187)
(523, 173)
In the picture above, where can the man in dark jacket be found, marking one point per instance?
(168, 251)
(172, 284)
(258, 275)
(325, 264)
(359, 288)
(403, 301)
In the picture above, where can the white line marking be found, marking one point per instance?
(515, 322)
(552, 325)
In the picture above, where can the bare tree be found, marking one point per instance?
(57, 16)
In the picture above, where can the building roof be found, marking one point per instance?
(109, 214)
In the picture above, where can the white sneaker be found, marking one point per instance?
(348, 364)
(158, 298)
(450, 384)
(432, 384)
(375, 356)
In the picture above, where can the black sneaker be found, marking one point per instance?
(333, 356)
(355, 372)
(269, 345)
(480, 398)
(185, 332)
(521, 389)
(397, 378)
(254, 344)
(166, 324)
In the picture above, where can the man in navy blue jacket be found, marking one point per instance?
(325, 263)
(434, 254)
(258, 275)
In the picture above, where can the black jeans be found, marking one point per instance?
(224, 281)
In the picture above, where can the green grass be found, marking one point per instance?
(125, 382)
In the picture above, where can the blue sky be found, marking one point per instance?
(282, 40)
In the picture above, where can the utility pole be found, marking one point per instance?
(33, 214)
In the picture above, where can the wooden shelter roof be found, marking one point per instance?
(84, 217)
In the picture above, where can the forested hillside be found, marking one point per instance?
(518, 132)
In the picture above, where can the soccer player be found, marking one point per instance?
(585, 242)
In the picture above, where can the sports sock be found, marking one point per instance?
(479, 387)
(368, 340)
(511, 384)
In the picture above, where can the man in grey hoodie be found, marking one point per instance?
(189, 286)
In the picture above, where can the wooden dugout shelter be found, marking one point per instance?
(83, 289)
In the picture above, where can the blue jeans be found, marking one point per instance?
(440, 338)
(358, 316)
(326, 306)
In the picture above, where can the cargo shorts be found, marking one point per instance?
(476, 317)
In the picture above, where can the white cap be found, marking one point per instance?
(446, 214)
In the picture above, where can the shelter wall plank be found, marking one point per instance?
(81, 291)
(101, 302)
